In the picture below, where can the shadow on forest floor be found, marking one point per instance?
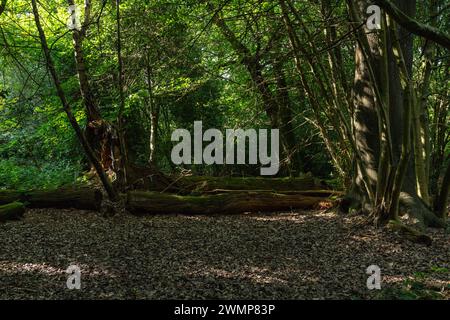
(298, 255)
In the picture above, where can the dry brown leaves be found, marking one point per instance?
(305, 255)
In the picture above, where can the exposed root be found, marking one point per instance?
(421, 215)
(409, 233)
(110, 208)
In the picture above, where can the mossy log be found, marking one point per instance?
(160, 203)
(80, 198)
(207, 195)
(202, 184)
(8, 196)
(11, 211)
(310, 193)
(83, 198)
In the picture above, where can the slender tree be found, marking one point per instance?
(120, 76)
(112, 193)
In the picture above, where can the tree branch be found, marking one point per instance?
(414, 26)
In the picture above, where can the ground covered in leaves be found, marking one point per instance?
(303, 255)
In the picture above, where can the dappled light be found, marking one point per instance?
(224, 149)
(287, 255)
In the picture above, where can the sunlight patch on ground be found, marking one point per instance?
(254, 274)
(10, 267)
(14, 267)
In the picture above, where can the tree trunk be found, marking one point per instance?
(112, 193)
(123, 159)
(101, 135)
(153, 114)
(442, 199)
(289, 140)
(376, 88)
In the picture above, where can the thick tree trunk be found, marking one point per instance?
(384, 81)
(442, 199)
(366, 128)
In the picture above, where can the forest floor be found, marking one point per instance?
(297, 255)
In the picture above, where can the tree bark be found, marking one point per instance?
(289, 140)
(441, 202)
(376, 88)
(123, 161)
(101, 135)
(92, 111)
(153, 114)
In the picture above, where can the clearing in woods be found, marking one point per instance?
(291, 255)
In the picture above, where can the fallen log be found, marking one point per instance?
(11, 211)
(311, 193)
(80, 198)
(8, 196)
(139, 202)
(83, 198)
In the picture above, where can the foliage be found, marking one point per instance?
(178, 61)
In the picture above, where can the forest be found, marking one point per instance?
(224, 149)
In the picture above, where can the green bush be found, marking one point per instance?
(18, 176)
